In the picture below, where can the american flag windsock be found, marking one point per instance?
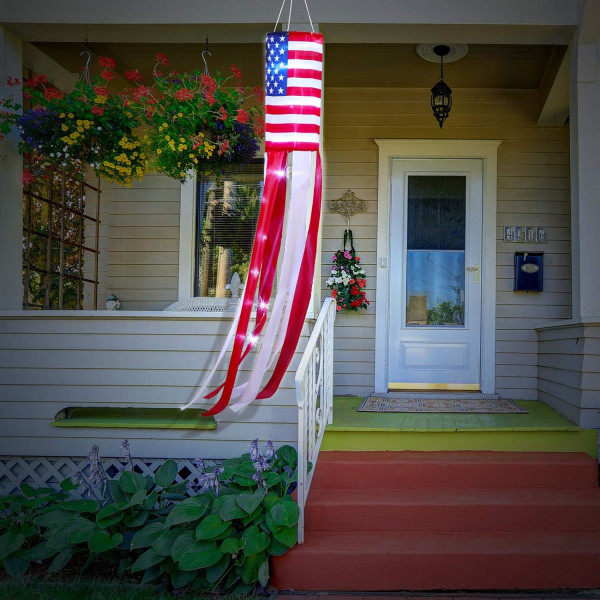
(293, 82)
(293, 90)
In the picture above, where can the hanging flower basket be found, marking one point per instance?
(347, 281)
(196, 122)
(87, 127)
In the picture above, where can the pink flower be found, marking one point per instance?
(259, 93)
(27, 177)
(101, 90)
(162, 59)
(236, 72)
(133, 75)
(184, 94)
(52, 93)
(243, 116)
(347, 254)
(221, 114)
(107, 63)
(107, 75)
(259, 126)
(208, 82)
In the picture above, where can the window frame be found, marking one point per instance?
(187, 251)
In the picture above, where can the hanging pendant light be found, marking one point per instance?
(441, 94)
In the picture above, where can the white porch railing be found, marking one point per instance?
(314, 395)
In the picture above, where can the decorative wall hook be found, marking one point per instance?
(348, 206)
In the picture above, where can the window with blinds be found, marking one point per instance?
(226, 217)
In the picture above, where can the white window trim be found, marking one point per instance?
(487, 150)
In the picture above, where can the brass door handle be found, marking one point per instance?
(476, 269)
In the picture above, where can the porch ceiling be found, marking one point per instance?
(513, 66)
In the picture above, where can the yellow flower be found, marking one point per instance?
(158, 151)
(64, 127)
(61, 116)
(71, 115)
(180, 114)
(100, 99)
(165, 125)
(168, 138)
(182, 140)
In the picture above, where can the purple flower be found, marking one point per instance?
(261, 464)
(270, 450)
(258, 478)
(254, 450)
(210, 481)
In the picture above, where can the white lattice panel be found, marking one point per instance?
(49, 472)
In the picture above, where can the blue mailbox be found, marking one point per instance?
(529, 271)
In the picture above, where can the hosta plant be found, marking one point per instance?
(215, 532)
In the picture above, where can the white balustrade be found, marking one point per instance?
(314, 395)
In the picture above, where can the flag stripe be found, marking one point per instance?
(303, 55)
(300, 82)
(308, 146)
(312, 73)
(293, 128)
(285, 118)
(303, 91)
(296, 110)
(306, 46)
(301, 36)
(315, 65)
(293, 101)
(292, 137)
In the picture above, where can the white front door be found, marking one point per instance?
(435, 262)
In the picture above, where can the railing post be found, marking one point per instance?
(314, 396)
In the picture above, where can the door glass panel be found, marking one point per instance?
(435, 270)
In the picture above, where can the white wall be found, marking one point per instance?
(49, 362)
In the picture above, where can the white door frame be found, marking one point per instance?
(486, 150)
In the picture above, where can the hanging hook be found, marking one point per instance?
(85, 72)
(206, 51)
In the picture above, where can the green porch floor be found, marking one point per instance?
(540, 430)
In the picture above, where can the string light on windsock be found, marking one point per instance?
(293, 90)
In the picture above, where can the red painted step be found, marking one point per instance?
(426, 561)
(380, 521)
(453, 510)
(393, 470)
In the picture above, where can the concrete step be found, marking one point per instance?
(455, 470)
(462, 510)
(432, 561)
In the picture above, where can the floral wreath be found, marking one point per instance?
(347, 281)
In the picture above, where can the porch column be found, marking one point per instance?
(585, 156)
(11, 192)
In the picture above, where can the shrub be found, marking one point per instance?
(215, 532)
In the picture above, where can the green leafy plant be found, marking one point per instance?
(214, 532)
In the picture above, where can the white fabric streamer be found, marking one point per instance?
(300, 204)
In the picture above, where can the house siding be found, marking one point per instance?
(569, 371)
(142, 243)
(533, 189)
(49, 363)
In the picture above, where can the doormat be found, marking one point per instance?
(439, 405)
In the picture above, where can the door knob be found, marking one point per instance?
(476, 269)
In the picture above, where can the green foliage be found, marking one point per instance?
(446, 313)
(212, 533)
